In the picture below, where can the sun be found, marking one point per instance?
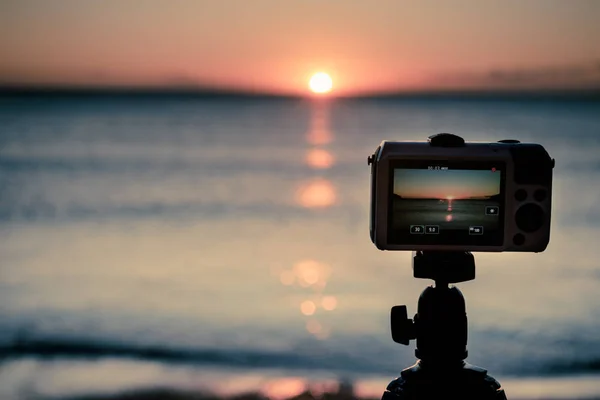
(320, 83)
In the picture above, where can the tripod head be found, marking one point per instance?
(440, 325)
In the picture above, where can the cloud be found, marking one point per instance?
(575, 76)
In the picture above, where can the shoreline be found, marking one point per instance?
(54, 379)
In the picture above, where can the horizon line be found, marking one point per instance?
(592, 93)
(445, 198)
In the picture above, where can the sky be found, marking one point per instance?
(446, 184)
(274, 46)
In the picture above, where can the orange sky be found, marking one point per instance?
(275, 45)
(445, 184)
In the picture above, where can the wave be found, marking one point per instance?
(149, 166)
(244, 358)
(574, 366)
(41, 210)
(152, 166)
(324, 360)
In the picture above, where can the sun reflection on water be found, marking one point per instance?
(308, 307)
(329, 303)
(284, 388)
(310, 272)
(319, 133)
(319, 159)
(287, 278)
(317, 192)
(313, 326)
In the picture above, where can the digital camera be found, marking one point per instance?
(446, 194)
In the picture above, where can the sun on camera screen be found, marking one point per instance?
(447, 204)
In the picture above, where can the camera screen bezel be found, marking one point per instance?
(495, 238)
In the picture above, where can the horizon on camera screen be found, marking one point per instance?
(441, 204)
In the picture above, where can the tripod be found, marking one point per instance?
(440, 327)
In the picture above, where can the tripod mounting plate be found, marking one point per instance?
(444, 267)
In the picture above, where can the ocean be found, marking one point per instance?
(222, 244)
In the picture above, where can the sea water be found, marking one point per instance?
(221, 243)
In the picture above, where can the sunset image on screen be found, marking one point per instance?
(446, 184)
(449, 199)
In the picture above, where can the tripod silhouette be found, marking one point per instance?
(440, 328)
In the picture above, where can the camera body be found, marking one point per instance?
(446, 194)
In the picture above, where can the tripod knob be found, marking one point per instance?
(403, 328)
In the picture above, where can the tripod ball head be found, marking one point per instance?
(440, 325)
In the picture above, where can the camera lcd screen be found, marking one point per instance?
(446, 203)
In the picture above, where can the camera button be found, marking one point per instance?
(519, 239)
(539, 195)
(432, 229)
(521, 195)
(509, 141)
(476, 230)
(492, 210)
(417, 229)
(530, 217)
